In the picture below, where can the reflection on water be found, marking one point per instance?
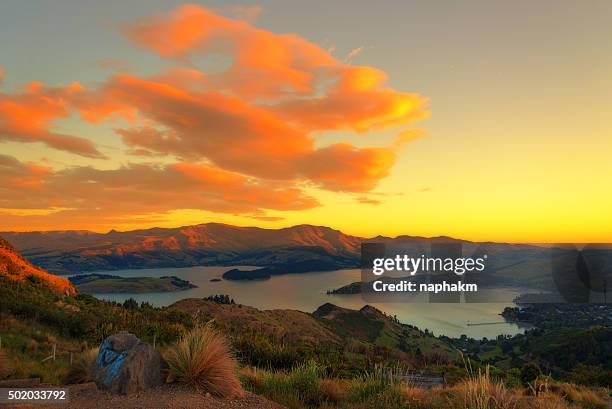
(306, 292)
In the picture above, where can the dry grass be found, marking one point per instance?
(582, 396)
(481, 392)
(414, 396)
(6, 365)
(332, 390)
(545, 400)
(306, 387)
(202, 359)
(252, 377)
(83, 367)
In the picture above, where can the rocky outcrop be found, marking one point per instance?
(126, 365)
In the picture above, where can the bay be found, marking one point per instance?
(307, 291)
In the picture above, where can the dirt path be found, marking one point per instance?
(164, 397)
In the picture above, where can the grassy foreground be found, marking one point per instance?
(202, 358)
(306, 387)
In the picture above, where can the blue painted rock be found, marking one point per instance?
(126, 365)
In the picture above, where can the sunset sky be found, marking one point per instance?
(483, 120)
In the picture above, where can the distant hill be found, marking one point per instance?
(296, 249)
(17, 269)
(204, 244)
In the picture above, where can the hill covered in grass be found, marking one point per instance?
(347, 341)
(15, 268)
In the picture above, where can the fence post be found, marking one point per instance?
(54, 346)
(70, 357)
(154, 339)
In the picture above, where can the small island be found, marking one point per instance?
(352, 288)
(111, 284)
(297, 267)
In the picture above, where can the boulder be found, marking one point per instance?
(126, 365)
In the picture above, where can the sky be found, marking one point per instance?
(483, 120)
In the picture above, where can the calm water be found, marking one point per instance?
(306, 292)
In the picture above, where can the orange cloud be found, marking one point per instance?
(224, 129)
(359, 101)
(243, 138)
(28, 117)
(236, 135)
(267, 64)
(18, 176)
(264, 62)
(343, 167)
(137, 189)
(256, 116)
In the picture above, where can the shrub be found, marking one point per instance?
(83, 367)
(202, 359)
(529, 373)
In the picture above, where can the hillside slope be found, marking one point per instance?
(278, 325)
(362, 332)
(370, 325)
(18, 269)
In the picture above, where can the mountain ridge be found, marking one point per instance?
(309, 246)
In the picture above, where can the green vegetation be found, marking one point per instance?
(102, 283)
(25, 346)
(305, 386)
(555, 316)
(220, 299)
(333, 358)
(346, 342)
(34, 319)
(581, 355)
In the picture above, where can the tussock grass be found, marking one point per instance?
(480, 391)
(581, 396)
(83, 367)
(202, 359)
